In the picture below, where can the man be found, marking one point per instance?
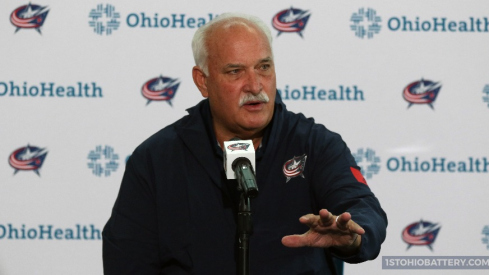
(176, 211)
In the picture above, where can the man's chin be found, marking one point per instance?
(255, 125)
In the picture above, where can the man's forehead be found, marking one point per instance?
(242, 60)
(225, 32)
(233, 23)
(267, 59)
(236, 44)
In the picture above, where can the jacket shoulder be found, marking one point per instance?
(165, 138)
(306, 128)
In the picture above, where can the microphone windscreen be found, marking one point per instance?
(237, 149)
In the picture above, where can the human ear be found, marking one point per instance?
(200, 80)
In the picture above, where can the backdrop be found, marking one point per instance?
(82, 83)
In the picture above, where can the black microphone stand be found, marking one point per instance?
(245, 229)
(247, 186)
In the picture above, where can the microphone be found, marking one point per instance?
(239, 159)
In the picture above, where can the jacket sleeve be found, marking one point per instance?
(130, 237)
(338, 190)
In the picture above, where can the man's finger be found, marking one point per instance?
(293, 241)
(357, 229)
(342, 221)
(310, 220)
(327, 218)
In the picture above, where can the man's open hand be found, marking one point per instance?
(327, 230)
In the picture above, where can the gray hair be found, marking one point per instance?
(199, 47)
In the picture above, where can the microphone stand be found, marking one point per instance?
(245, 229)
(246, 180)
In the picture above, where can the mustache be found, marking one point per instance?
(261, 97)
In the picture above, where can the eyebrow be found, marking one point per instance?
(266, 59)
(232, 66)
(239, 65)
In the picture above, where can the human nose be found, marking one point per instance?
(253, 82)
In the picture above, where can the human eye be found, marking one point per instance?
(265, 67)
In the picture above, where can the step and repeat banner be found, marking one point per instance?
(405, 83)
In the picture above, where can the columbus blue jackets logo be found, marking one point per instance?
(294, 167)
(29, 158)
(238, 146)
(160, 89)
(291, 20)
(420, 233)
(421, 92)
(29, 17)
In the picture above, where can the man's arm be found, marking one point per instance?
(130, 237)
(361, 227)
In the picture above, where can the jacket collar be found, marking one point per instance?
(198, 135)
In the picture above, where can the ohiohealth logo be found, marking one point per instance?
(305, 92)
(50, 232)
(367, 161)
(486, 97)
(104, 19)
(50, 89)
(485, 232)
(103, 161)
(366, 22)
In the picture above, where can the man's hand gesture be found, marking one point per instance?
(327, 230)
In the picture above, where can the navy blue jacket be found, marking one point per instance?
(176, 211)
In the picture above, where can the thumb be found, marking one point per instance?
(293, 241)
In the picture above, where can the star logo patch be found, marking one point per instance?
(294, 167)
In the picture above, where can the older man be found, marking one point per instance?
(176, 212)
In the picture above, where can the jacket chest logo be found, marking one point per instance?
(294, 167)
